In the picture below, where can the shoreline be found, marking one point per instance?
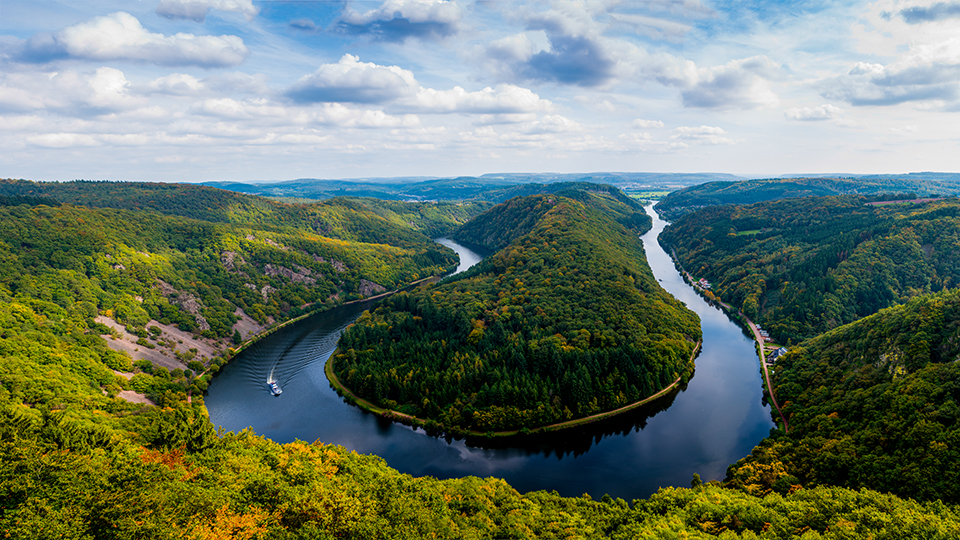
(407, 419)
(739, 317)
(257, 337)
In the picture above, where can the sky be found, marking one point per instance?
(248, 90)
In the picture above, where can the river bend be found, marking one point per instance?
(714, 421)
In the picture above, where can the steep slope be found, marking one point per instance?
(564, 322)
(803, 266)
(184, 290)
(872, 404)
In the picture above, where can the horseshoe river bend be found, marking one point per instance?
(702, 428)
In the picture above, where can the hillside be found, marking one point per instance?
(691, 198)
(873, 404)
(563, 322)
(176, 293)
(801, 267)
(352, 219)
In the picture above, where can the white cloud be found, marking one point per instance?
(263, 113)
(929, 72)
(176, 84)
(575, 52)
(644, 124)
(504, 99)
(245, 83)
(647, 143)
(353, 81)
(823, 112)
(654, 27)
(120, 36)
(62, 140)
(197, 10)
(703, 134)
(738, 84)
(397, 20)
(68, 92)
(864, 68)
(553, 124)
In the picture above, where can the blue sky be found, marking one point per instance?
(193, 90)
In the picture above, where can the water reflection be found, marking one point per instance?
(714, 421)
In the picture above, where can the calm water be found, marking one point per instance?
(714, 421)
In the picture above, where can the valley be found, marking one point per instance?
(569, 316)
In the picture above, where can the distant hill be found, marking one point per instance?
(488, 187)
(751, 191)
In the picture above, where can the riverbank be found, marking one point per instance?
(739, 317)
(411, 420)
(231, 353)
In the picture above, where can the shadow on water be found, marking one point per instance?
(578, 440)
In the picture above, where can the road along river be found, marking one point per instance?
(714, 421)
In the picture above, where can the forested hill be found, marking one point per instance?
(873, 404)
(496, 229)
(361, 220)
(803, 266)
(679, 202)
(564, 322)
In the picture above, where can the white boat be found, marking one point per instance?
(274, 388)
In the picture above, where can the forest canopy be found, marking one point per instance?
(803, 266)
(873, 404)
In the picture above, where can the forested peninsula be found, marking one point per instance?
(803, 266)
(564, 321)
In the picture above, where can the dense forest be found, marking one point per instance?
(78, 462)
(565, 321)
(163, 278)
(873, 404)
(803, 266)
(679, 202)
(350, 219)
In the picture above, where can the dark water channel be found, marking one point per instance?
(714, 421)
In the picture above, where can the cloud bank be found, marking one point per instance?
(120, 36)
(197, 10)
(398, 20)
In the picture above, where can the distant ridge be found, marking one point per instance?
(490, 187)
(909, 185)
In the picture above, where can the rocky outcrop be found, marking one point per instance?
(300, 275)
(369, 288)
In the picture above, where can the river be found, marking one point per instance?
(714, 421)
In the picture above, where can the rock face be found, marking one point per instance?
(185, 301)
(301, 275)
(192, 305)
(230, 260)
(369, 288)
(337, 265)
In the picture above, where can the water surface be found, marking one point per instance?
(717, 419)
